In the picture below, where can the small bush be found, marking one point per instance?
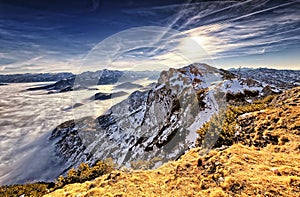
(84, 173)
(266, 100)
(224, 124)
(34, 190)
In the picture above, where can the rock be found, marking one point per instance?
(276, 171)
(221, 179)
(105, 96)
(73, 106)
(128, 85)
(67, 89)
(160, 122)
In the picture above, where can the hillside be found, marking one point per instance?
(156, 125)
(264, 162)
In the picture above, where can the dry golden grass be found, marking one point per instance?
(272, 169)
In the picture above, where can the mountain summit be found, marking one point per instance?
(157, 125)
(268, 167)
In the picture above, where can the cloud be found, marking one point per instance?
(245, 37)
(228, 29)
(203, 31)
(42, 64)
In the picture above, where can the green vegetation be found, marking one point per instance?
(84, 173)
(264, 161)
(34, 189)
(225, 124)
(80, 175)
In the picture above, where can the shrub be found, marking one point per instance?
(34, 189)
(84, 173)
(224, 124)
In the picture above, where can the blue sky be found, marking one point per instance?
(55, 36)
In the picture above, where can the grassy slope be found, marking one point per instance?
(269, 170)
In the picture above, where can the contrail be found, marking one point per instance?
(260, 11)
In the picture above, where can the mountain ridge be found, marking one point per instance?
(240, 169)
(283, 79)
(31, 77)
(160, 123)
(270, 131)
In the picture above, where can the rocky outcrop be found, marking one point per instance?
(104, 96)
(128, 85)
(157, 124)
(263, 159)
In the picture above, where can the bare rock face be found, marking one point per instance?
(159, 124)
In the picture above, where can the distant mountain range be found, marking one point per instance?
(28, 77)
(101, 77)
(283, 79)
(158, 124)
(154, 126)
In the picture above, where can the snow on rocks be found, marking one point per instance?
(157, 123)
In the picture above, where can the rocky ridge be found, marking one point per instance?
(262, 168)
(156, 125)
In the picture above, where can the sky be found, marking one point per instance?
(75, 36)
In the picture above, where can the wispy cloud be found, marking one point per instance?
(253, 31)
(203, 31)
(221, 30)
